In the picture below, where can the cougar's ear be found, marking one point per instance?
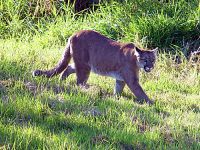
(155, 50)
(138, 49)
(137, 52)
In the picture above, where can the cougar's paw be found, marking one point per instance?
(139, 101)
(84, 86)
(150, 102)
(36, 73)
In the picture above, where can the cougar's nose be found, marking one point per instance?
(147, 69)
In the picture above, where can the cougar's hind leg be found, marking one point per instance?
(69, 70)
(119, 86)
(81, 60)
(82, 73)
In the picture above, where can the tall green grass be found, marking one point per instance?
(156, 23)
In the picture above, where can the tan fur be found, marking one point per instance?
(92, 51)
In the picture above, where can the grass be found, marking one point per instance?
(38, 113)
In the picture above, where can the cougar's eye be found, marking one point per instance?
(142, 59)
(145, 61)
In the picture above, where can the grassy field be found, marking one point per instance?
(39, 113)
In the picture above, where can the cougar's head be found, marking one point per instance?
(146, 58)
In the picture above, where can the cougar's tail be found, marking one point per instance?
(62, 64)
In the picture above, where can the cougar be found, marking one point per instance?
(92, 51)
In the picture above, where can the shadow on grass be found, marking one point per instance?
(81, 132)
(87, 134)
(57, 121)
(86, 130)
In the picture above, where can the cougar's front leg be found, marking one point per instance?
(133, 83)
(119, 86)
